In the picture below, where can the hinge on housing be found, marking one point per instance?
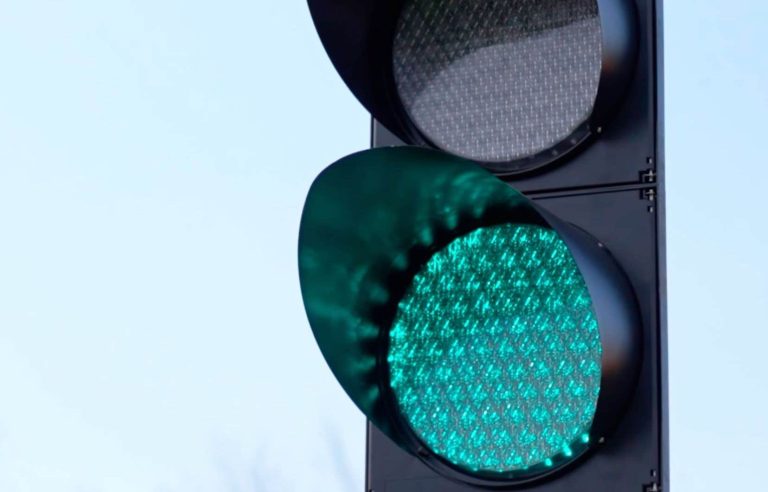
(649, 194)
(652, 487)
(648, 176)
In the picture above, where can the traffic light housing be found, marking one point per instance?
(497, 338)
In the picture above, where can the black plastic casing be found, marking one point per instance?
(611, 187)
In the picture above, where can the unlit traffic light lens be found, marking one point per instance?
(498, 80)
(495, 355)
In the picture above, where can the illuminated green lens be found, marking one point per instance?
(495, 352)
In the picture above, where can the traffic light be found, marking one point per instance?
(487, 283)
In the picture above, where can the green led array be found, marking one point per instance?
(495, 352)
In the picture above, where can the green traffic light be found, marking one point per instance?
(495, 354)
(469, 325)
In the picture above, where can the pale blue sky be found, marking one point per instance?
(154, 157)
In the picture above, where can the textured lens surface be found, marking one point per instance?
(498, 80)
(495, 352)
